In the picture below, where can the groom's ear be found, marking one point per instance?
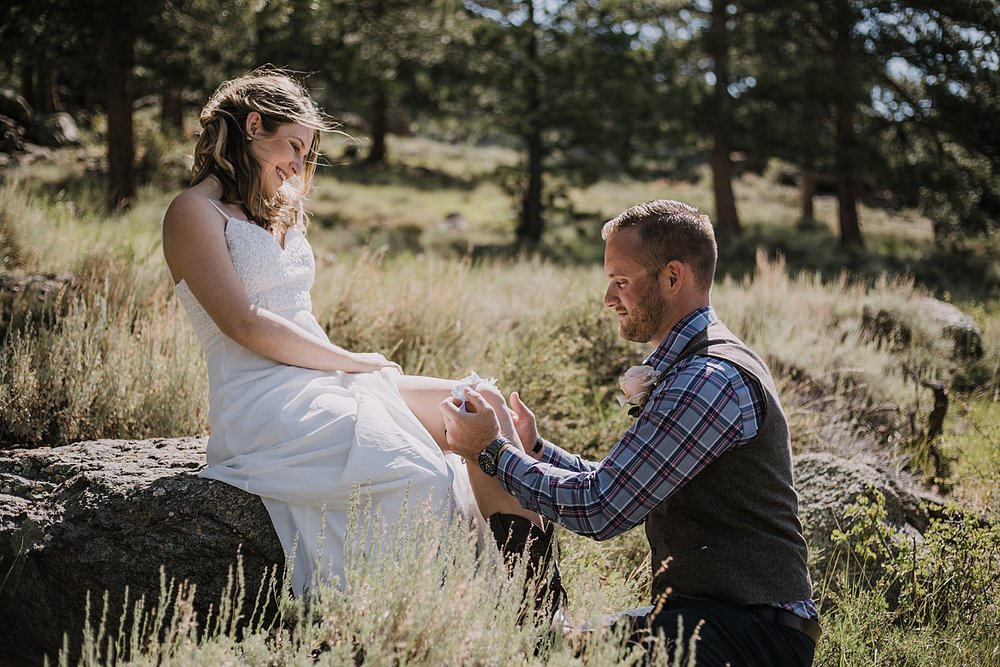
(673, 276)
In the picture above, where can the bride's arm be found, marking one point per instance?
(194, 244)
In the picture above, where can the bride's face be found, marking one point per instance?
(281, 154)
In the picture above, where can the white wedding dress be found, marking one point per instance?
(306, 441)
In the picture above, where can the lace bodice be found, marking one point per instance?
(276, 279)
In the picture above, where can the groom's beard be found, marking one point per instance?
(645, 319)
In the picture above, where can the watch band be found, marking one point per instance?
(489, 458)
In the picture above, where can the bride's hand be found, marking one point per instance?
(493, 396)
(369, 362)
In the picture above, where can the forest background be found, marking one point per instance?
(847, 151)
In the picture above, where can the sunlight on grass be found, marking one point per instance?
(455, 159)
(974, 448)
(117, 358)
(376, 207)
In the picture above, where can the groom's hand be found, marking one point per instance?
(469, 432)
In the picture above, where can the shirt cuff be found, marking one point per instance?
(512, 465)
(550, 453)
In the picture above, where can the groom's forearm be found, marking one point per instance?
(566, 497)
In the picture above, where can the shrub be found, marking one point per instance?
(899, 597)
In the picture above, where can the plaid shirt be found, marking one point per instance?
(702, 408)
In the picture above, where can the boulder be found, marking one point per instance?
(105, 515)
(15, 106)
(11, 135)
(54, 130)
(953, 324)
(894, 329)
(40, 297)
(828, 485)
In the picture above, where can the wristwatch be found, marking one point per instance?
(489, 457)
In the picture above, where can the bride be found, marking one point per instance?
(295, 419)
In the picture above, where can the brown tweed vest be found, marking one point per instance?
(733, 533)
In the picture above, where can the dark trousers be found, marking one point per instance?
(518, 538)
(727, 635)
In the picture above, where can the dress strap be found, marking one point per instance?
(219, 209)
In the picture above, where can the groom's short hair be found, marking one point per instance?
(671, 230)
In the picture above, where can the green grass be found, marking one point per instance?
(119, 359)
(973, 445)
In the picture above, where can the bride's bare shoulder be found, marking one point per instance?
(192, 210)
(192, 227)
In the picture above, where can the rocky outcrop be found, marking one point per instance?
(828, 485)
(54, 130)
(953, 324)
(11, 135)
(25, 135)
(106, 515)
(40, 297)
(894, 329)
(14, 106)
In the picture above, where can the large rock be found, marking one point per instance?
(54, 130)
(953, 324)
(39, 297)
(828, 485)
(11, 135)
(14, 106)
(103, 515)
(894, 328)
(107, 514)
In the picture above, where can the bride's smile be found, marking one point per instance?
(281, 154)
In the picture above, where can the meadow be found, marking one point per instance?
(414, 260)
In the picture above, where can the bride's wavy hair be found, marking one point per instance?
(223, 148)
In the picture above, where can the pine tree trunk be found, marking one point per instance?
(48, 87)
(380, 103)
(727, 221)
(532, 224)
(380, 128)
(118, 55)
(171, 111)
(847, 184)
(808, 175)
(28, 83)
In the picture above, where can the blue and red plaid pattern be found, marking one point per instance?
(702, 408)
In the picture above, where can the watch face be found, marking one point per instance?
(488, 462)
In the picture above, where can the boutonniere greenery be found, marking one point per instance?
(637, 384)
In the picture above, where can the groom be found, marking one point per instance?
(707, 465)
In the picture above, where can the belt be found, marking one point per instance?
(806, 626)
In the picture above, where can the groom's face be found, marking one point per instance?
(633, 291)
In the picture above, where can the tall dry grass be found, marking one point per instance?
(121, 361)
(428, 599)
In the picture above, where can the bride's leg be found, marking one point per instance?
(516, 530)
(423, 395)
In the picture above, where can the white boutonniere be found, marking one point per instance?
(637, 384)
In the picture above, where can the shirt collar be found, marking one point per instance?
(680, 335)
